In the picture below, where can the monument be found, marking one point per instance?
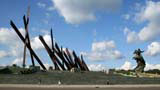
(140, 62)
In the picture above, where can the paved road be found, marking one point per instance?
(109, 88)
(81, 87)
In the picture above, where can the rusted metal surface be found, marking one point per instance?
(30, 49)
(85, 65)
(52, 39)
(63, 59)
(60, 55)
(69, 56)
(49, 52)
(27, 38)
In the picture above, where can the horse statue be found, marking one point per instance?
(140, 62)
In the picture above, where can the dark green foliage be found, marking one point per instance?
(154, 71)
(30, 70)
(5, 71)
(129, 72)
(11, 69)
(14, 65)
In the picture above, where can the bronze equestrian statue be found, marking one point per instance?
(140, 62)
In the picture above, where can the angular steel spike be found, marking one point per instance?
(60, 55)
(57, 47)
(52, 39)
(27, 38)
(24, 54)
(51, 54)
(78, 61)
(85, 65)
(69, 55)
(30, 49)
(65, 55)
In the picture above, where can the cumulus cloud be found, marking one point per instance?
(153, 49)
(3, 54)
(78, 11)
(150, 14)
(17, 61)
(96, 67)
(126, 66)
(7, 35)
(36, 43)
(9, 38)
(100, 46)
(131, 35)
(152, 66)
(102, 51)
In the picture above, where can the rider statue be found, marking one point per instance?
(140, 62)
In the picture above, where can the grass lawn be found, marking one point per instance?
(81, 78)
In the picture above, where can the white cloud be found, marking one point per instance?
(17, 61)
(7, 35)
(96, 67)
(41, 5)
(152, 66)
(9, 38)
(3, 54)
(126, 66)
(100, 46)
(153, 49)
(102, 51)
(36, 43)
(150, 14)
(78, 11)
(131, 35)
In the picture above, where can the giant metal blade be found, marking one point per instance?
(51, 54)
(52, 39)
(24, 54)
(77, 60)
(60, 55)
(27, 40)
(69, 55)
(28, 14)
(30, 49)
(57, 47)
(65, 55)
(85, 65)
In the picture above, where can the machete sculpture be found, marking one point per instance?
(27, 39)
(62, 59)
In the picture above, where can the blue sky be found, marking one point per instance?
(106, 32)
